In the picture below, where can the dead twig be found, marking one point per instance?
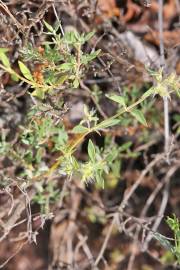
(18, 208)
(162, 208)
(13, 255)
(138, 182)
(162, 64)
(5, 8)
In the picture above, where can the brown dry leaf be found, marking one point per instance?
(64, 232)
(108, 9)
(148, 15)
(170, 9)
(171, 38)
(133, 10)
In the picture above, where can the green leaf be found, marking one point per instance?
(178, 93)
(3, 50)
(111, 156)
(118, 99)
(93, 55)
(76, 83)
(25, 71)
(89, 36)
(38, 93)
(173, 223)
(91, 150)
(99, 179)
(125, 146)
(139, 116)
(14, 77)
(4, 59)
(176, 117)
(108, 123)
(71, 37)
(49, 27)
(61, 80)
(86, 58)
(163, 241)
(80, 129)
(66, 66)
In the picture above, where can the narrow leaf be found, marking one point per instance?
(125, 146)
(89, 35)
(66, 66)
(14, 77)
(38, 93)
(163, 241)
(91, 150)
(25, 71)
(108, 123)
(49, 27)
(118, 99)
(3, 50)
(4, 59)
(79, 129)
(61, 80)
(139, 116)
(178, 93)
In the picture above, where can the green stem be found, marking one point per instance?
(77, 142)
(32, 83)
(123, 110)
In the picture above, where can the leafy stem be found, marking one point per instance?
(73, 147)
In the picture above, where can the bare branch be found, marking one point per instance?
(162, 64)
